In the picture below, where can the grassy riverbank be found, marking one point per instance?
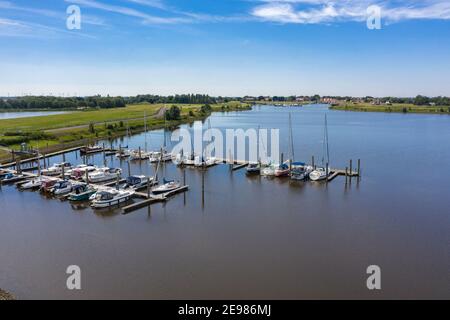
(55, 132)
(398, 108)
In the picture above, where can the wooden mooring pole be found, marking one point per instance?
(359, 167)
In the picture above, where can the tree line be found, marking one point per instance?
(41, 102)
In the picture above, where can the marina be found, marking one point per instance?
(220, 216)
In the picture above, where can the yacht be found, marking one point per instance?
(110, 197)
(79, 172)
(62, 187)
(81, 192)
(300, 171)
(137, 182)
(35, 183)
(56, 169)
(103, 174)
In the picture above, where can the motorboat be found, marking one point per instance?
(56, 169)
(300, 171)
(11, 178)
(137, 182)
(169, 185)
(160, 156)
(103, 174)
(81, 192)
(35, 183)
(204, 162)
(253, 168)
(91, 149)
(47, 186)
(62, 187)
(123, 154)
(110, 197)
(79, 172)
(139, 155)
(319, 174)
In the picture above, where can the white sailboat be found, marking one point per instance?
(322, 173)
(166, 187)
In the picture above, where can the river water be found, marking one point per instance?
(26, 114)
(253, 237)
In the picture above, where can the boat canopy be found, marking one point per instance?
(133, 180)
(302, 164)
(168, 181)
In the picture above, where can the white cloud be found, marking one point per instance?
(146, 18)
(326, 11)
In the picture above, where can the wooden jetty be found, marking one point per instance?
(34, 159)
(149, 200)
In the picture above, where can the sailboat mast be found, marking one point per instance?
(326, 139)
(291, 139)
(145, 128)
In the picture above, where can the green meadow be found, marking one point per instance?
(55, 132)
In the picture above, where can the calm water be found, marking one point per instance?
(255, 237)
(16, 115)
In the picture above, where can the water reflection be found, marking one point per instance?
(238, 236)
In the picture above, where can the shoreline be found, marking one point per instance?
(396, 108)
(118, 132)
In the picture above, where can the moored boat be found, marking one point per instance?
(47, 186)
(103, 174)
(81, 192)
(319, 174)
(11, 178)
(253, 168)
(282, 170)
(62, 187)
(91, 149)
(35, 183)
(110, 197)
(137, 182)
(300, 171)
(56, 169)
(169, 185)
(160, 156)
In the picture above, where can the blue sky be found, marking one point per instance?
(225, 47)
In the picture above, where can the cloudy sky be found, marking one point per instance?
(225, 47)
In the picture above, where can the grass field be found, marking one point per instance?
(398, 108)
(54, 132)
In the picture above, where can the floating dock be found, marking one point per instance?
(149, 200)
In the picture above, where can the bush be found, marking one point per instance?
(205, 109)
(174, 113)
